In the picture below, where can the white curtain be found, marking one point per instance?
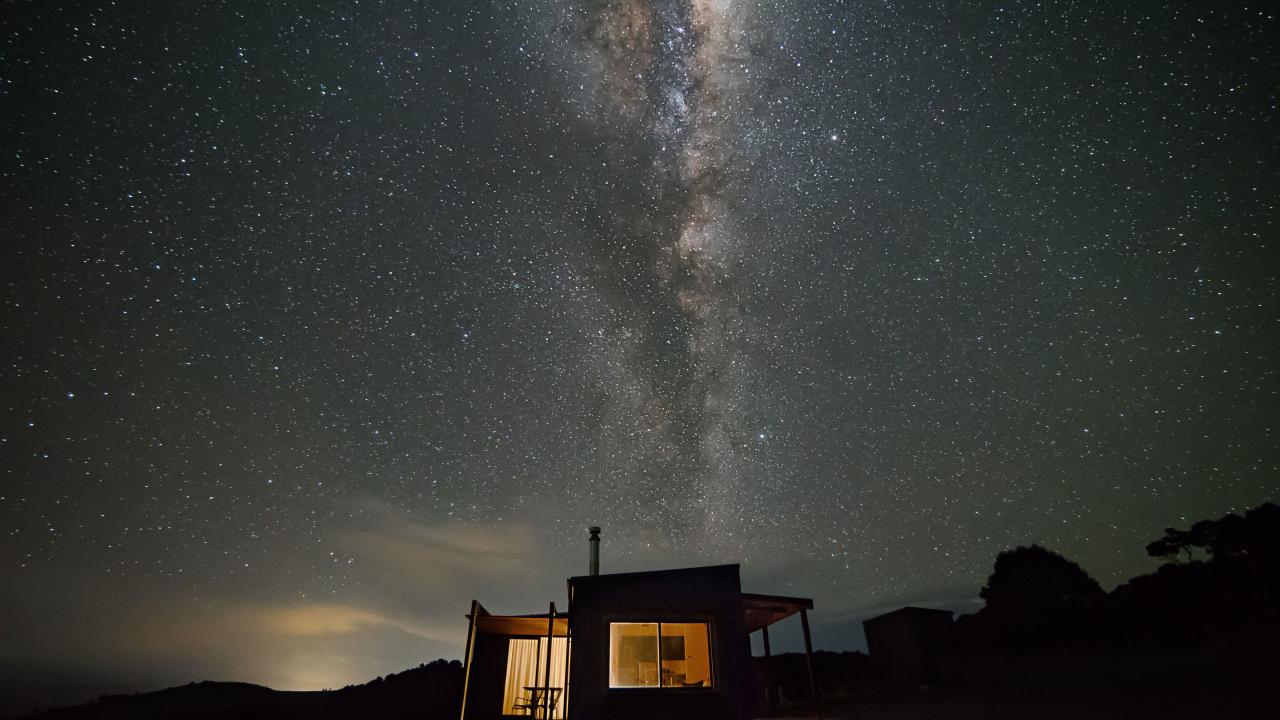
(526, 667)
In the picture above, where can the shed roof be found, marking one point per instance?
(910, 610)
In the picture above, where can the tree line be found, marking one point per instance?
(1219, 581)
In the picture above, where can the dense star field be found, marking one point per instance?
(320, 321)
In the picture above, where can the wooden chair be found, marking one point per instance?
(535, 701)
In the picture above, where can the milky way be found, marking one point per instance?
(665, 81)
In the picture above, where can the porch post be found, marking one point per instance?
(568, 656)
(568, 653)
(808, 661)
(771, 686)
(466, 657)
(546, 683)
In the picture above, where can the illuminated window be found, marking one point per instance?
(652, 655)
(527, 676)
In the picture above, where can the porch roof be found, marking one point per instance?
(760, 611)
(517, 625)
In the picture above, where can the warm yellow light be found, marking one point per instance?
(667, 655)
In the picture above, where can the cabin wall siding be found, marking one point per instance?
(713, 594)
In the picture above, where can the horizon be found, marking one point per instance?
(320, 322)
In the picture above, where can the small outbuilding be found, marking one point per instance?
(906, 645)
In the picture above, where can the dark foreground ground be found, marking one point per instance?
(1010, 704)
(423, 693)
(236, 701)
(1229, 679)
(1233, 677)
(1057, 689)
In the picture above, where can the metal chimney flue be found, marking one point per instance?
(595, 549)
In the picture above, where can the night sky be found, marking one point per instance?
(318, 322)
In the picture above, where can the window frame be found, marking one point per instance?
(660, 620)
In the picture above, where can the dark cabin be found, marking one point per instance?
(661, 644)
(906, 645)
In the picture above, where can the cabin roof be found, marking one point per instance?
(758, 610)
(653, 574)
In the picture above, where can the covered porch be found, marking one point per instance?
(516, 665)
(760, 612)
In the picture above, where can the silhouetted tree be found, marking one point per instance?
(1210, 613)
(1036, 597)
(1033, 578)
(1263, 537)
(1175, 546)
(1254, 537)
(1225, 538)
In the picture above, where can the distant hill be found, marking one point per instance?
(423, 693)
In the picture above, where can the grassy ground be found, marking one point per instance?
(1066, 704)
